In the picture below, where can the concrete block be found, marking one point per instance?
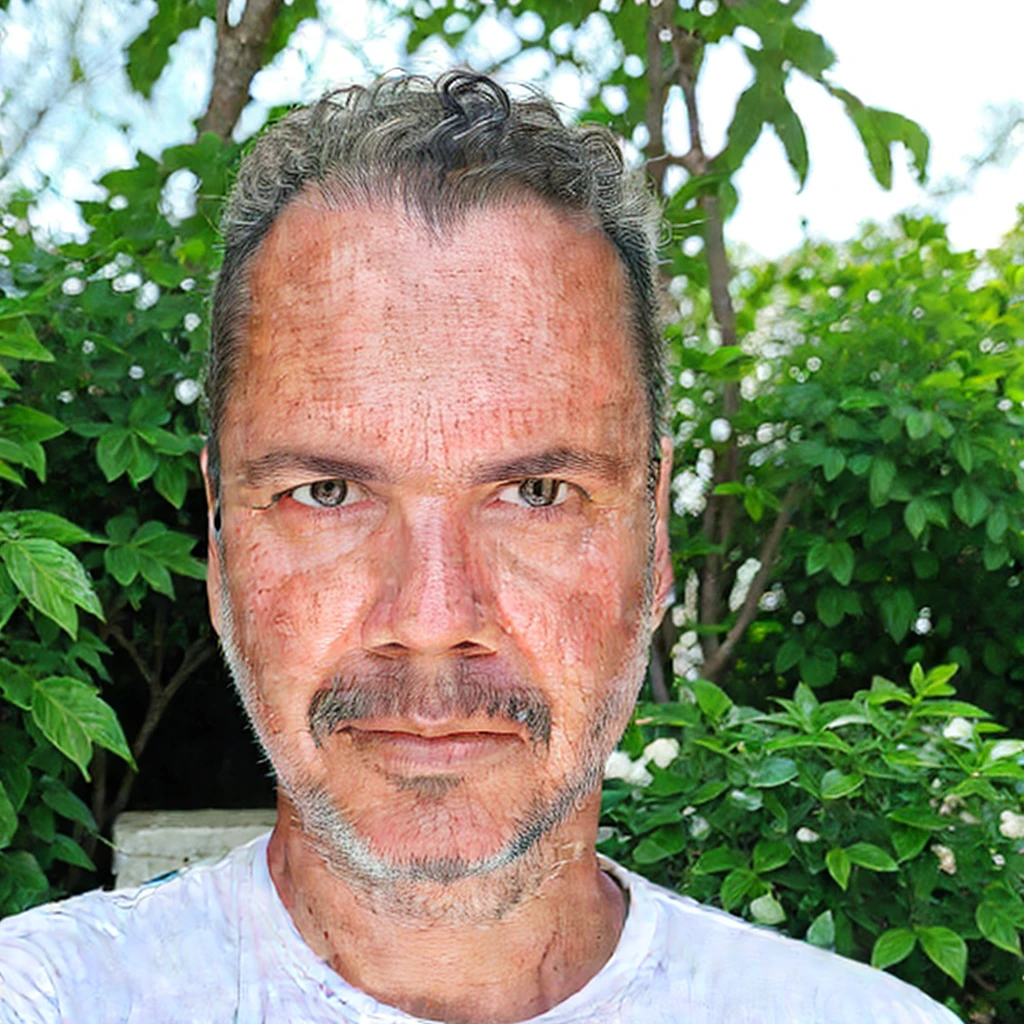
(151, 843)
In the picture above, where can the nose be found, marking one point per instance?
(429, 599)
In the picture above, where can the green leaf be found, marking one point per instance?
(970, 503)
(908, 842)
(915, 517)
(997, 524)
(788, 655)
(737, 886)
(836, 784)
(833, 463)
(880, 480)
(21, 423)
(770, 854)
(66, 849)
(817, 556)
(72, 717)
(171, 481)
(919, 425)
(115, 452)
(872, 857)
(818, 666)
(8, 818)
(822, 932)
(721, 858)
(897, 610)
(122, 562)
(16, 685)
(791, 134)
(946, 950)
(838, 864)
(919, 817)
(963, 452)
(773, 772)
(59, 798)
(767, 910)
(712, 699)
(52, 579)
(996, 922)
(148, 54)
(19, 341)
(892, 946)
(46, 525)
(841, 562)
(26, 878)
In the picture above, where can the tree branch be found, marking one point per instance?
(769, 551)
(239, 56)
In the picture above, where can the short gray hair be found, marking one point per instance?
(441, 149)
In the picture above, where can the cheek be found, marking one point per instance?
(292, 612)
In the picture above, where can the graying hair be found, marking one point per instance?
(441, 149)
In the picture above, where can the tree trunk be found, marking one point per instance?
(240, 52)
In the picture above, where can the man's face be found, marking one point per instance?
(437, 569)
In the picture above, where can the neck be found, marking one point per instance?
(525, 955)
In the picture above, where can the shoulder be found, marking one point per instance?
(102, 946)
(732, 969)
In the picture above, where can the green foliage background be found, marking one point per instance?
(848, 427)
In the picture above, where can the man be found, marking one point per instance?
(438, 549)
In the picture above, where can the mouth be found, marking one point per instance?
(424, 748)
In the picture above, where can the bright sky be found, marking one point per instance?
(933, 60)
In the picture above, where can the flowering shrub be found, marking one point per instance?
(886, 826)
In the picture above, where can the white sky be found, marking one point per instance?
(937, 61)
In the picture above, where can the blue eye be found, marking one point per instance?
(323, 493)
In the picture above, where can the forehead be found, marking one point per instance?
(515, 316)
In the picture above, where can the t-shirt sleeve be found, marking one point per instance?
(27, 991)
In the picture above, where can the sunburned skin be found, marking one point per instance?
(436, 579)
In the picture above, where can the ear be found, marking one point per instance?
(213, 543)
(664, 578)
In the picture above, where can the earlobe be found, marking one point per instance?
(214, 548)
(664, 577)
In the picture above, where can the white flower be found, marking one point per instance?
(126, 282)
(136, 372)
(1005, 748)
(999, 860)
(617, 766)
(814, 364)
(148, 296)
(958, 730)
(687, 379)
(65, 397)
(744, 577)
(874, 296)
(799, 618)
(699, 827)
(662, 751)
(620, 766)
(1005, 405)
(947, 859)
(88, 347)
(806, 835)
(191, 321)
(73, 286)
(1011, 825)
(187, 390)
(721, 430)
(188, 284)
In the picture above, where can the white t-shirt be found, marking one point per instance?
(215, 944)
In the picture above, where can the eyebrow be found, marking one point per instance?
(257, 472)
(271, 466)
(554, 460)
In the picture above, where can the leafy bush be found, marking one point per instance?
(882, 388)
(108, 341)
(886, 826)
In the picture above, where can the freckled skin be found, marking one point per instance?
(373, 342)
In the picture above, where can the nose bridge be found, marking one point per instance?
(429, 599)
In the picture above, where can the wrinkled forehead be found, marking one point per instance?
(516, 308)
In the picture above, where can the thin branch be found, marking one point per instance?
(114, 631)
(239, 56)
(769, 551)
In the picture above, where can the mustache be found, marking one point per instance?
(399, 690)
